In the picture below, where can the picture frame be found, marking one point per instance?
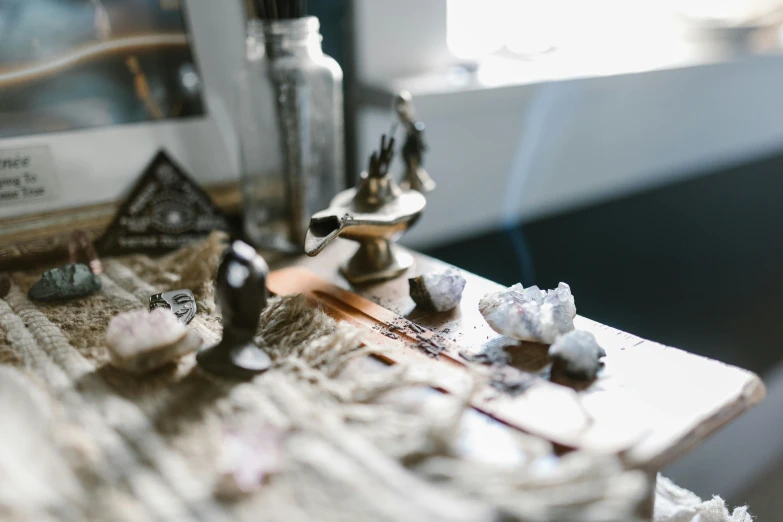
(78, 177)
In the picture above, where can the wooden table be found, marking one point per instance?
(651, 402)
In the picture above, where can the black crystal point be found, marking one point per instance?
(241, 294)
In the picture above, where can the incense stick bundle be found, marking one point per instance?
(277, 9)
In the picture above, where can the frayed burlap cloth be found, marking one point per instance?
(80, 440)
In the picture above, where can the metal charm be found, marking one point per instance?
(415, 177)
(375, 213)
(241, 295)
(181, 302)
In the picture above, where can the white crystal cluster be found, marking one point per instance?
(140, 341)
(438, 291)
(530, 314)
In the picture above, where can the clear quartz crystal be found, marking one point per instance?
(290, 131)
(139, 341)
(530, 314)
(438, 291)
(247, 456)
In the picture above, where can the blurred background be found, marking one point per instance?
(633, 149)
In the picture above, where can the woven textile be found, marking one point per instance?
(82, 440)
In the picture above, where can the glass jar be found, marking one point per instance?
(290, 114)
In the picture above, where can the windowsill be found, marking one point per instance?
(504, 71)
(529, 145)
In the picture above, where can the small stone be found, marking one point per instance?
(141, 341)
(437, 291)
(577, 354)
(247, 457)
(530, 314)
(68, 282)
(5, 284)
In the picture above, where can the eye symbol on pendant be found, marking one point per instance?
(181, 302)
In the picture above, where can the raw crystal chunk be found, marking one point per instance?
(530, 314)
(141, 341)
(247, 457)
(577, 354)
(68, 282)
(437, 291)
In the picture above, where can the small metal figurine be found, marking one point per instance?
(415, 177)
(241, 295)
(5, 284)
(181, 302)
(80, 242)
(374, 214)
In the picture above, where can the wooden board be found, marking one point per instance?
(651, 402)
(548, 410)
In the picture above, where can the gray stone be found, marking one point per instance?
(437, 291)
(68, 282)
(577, 354)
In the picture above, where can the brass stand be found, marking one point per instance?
(375, 260)
(374, 214)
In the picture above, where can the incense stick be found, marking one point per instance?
(277, 9)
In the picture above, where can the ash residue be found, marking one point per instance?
(504, 378)
(491, 355)
(431, 347)
(510, 380)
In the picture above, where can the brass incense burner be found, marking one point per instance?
(374, 214)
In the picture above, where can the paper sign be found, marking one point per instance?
(26, 175)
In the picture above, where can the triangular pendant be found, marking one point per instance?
(165, 210)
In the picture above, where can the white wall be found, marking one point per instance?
(531, 149)
(400, 38)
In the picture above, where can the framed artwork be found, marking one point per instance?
(91, 90)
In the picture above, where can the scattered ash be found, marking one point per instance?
(416, 328)
(431, 347)
(493, 355)
(504, 378)
(511, 381)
